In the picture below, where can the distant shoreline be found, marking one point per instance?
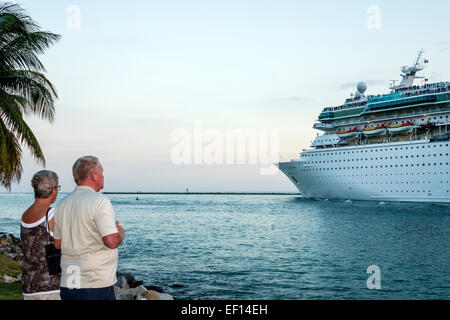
(184, 193)
(212, 193)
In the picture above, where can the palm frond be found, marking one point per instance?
(23, 88)
(21, 50)
(35, 88)
(10, 154)
(14, 122)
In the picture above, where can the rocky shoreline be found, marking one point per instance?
(11, 247)
(126, 288)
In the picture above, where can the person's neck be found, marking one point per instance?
(38, 202)
(89, 184)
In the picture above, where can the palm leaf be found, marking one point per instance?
(14, 122)
(23, 88)
(34, 87)
(10, 154)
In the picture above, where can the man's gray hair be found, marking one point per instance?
(83, 166)
(43, 183)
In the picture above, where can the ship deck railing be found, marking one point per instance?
(374, 120)
(399, 94)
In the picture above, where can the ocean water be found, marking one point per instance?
(276, 247)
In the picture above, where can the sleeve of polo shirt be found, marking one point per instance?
(104, 218)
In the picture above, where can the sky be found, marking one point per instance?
(134, 76)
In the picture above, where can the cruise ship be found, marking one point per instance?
(387, 147)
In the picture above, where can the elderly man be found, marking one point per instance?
(86, 232)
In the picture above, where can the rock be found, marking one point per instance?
(153, 295)
(128, 281)
(122, 281)
(149, 295)
(11, 245)
(15, 241)
(125, 283)
(9, 279)
(155, 288)
(140, 293)
(128, 288)
(129, 294)
(139, 290)
(177, 286)
(123, 294)
(165, 296)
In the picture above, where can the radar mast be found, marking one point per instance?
(409, 72)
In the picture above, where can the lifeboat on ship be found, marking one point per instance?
(377, 131)
(406, 127)
(348, 134)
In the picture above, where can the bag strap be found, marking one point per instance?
(47, 227)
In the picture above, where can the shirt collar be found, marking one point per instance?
(84, 188)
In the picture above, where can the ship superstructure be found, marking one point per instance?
(387, 147)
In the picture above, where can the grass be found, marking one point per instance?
(10, 267)
(10, 291)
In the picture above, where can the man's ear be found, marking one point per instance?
(93, 175)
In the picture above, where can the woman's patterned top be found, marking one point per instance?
(35, 276)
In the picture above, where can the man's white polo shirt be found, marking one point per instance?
(82, 219)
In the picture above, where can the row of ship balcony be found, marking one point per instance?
(325, 126)
(386, 132)
(331, 127)
(411, 92)
(390, 98)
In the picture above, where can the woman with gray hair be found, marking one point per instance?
(36, 230)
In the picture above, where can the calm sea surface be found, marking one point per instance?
(276, 247)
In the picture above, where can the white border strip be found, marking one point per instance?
(38, 293)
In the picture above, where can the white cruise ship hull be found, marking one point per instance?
(416, 171)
